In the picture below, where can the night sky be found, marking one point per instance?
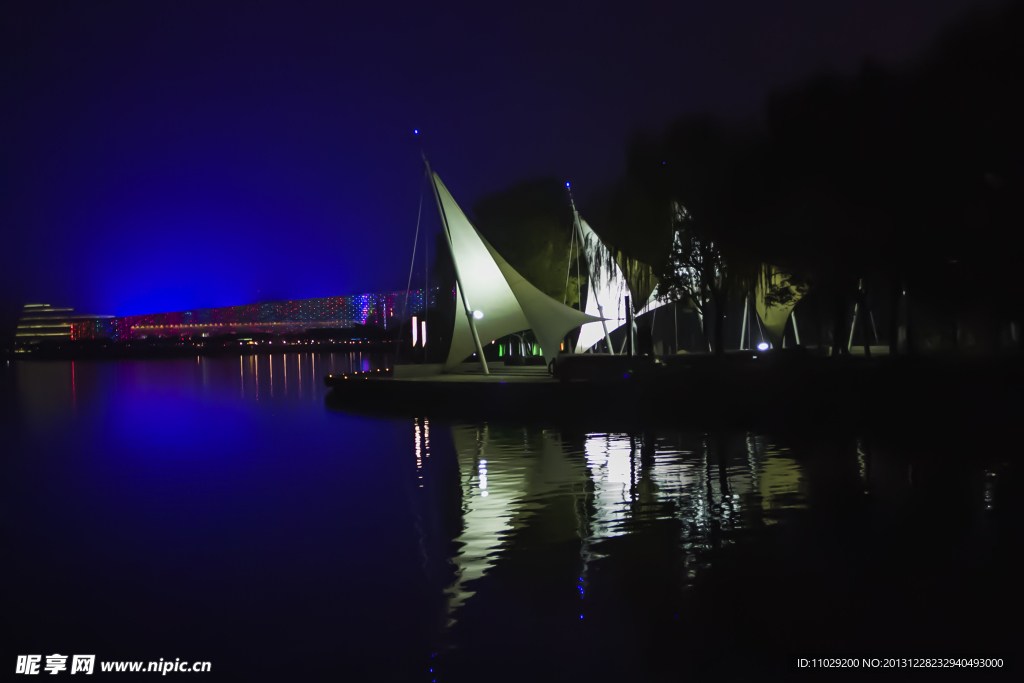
(159, 156)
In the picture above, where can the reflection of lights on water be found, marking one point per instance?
(419, 453)
(862, 463)
(421, 444)
(610, 460)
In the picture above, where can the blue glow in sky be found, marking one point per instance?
(168, 156)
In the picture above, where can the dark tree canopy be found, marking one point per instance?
(530, 225)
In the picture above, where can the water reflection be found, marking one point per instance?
(598, 487)
(559, 527)
(268, 515)
(54, 390)
(506, 476)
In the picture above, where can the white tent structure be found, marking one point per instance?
(607, 290)
(496, 299)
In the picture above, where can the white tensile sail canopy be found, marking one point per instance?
(607, 287)
(501, 299)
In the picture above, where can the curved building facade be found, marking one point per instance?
(276, 317)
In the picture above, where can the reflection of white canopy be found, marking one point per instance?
(505, 478)
(504, 300)
(610, 461)
(607, 287)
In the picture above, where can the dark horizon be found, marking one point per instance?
(179, 158)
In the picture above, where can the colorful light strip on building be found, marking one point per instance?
(271, 316)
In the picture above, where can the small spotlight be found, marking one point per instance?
(567, 184)
(415, 131)
(763, 346)
(478, 314)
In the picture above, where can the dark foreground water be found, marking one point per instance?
(217, 510)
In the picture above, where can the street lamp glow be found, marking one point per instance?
(478, 314)
(763, 346)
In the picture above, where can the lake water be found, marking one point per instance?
(216, 509)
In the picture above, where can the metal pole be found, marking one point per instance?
(707, 337)
(426, 294)
(405, 305)
(458, 279)
(629, 329)
(675, 314)
(743, 327)
(853, 323)
(590, 273)
(796, 332)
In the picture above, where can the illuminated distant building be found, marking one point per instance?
(44, 323)
(276, 317)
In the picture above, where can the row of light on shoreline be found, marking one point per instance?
(364, 374)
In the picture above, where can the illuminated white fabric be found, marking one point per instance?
(652, 303)
(549, 319)
(507, 301)
(607, 286)
(485, 287)
(775, 317)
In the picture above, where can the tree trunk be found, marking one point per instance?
(819, 325)
(895, 299)
(839, 325)
(705, 323)
(908, 322)
(719, 320)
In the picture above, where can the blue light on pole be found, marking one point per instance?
(763, 346)
(415, 131)
(567, 184)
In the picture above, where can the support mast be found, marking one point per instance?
(590, 272)
(458, 279)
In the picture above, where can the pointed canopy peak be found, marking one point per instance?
(500, 300)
